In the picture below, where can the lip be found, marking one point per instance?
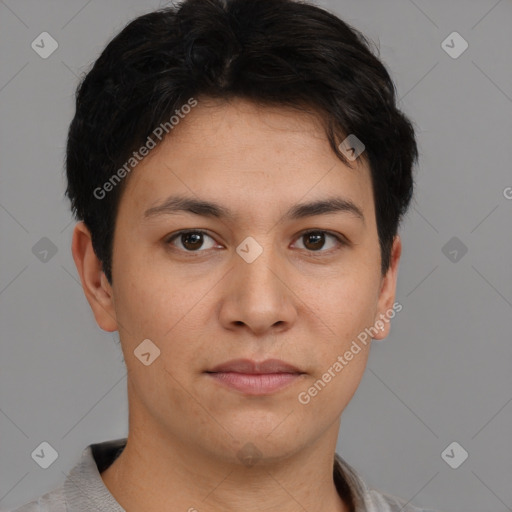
(255, 378)
(249, 366)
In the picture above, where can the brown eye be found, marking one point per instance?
(314, 241)
(191, 241)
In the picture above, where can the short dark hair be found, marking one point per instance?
(271, 52)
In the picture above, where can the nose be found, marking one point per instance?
(258, 296)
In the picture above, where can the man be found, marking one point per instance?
(239, 169)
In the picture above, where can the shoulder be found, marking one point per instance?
(52, 501)
(366, 499)
(83, 488)
(380, 501)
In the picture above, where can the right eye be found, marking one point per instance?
(190, 240)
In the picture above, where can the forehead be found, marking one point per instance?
(240, 153)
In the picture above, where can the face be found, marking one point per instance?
(256, 275)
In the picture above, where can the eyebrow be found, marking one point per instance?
(177, 204)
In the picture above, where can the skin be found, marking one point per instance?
(300, 301)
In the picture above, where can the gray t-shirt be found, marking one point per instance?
(84, 490)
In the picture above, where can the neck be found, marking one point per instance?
(153, 470)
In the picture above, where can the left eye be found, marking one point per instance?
(191, 240)
(317, 238)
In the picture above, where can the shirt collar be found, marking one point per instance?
(85, 491)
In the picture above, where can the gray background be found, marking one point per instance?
(443, 375)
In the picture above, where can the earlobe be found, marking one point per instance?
(97, 290)
(386, 310)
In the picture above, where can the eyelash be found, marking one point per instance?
(339, 238)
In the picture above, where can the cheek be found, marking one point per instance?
(345, 306)
(169, 312)
(342, 312)
(149, 300)
(328, 393)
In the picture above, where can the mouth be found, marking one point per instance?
(255, 378)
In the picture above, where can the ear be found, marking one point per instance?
(96, 287)
(387, 292)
